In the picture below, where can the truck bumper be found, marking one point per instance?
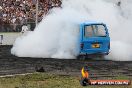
(93, 55)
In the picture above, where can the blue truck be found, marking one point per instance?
(94, 40)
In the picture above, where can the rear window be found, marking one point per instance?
(94, 31)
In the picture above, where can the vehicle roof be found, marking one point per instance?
(91, 22)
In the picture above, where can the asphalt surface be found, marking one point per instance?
(10, 64)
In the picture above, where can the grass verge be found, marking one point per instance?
(45, 80)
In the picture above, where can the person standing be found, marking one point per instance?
(24, 28)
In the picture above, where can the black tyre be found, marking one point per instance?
(81, 57)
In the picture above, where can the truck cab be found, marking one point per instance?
(94, 39)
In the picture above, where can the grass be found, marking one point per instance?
(45, 80)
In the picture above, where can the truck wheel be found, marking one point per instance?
(100, 57)
(81, 57)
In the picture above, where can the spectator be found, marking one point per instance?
(24, 28)
(14, 13)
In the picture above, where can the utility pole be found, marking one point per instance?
(36, 13)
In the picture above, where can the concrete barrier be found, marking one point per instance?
(8, 38)
(1, 39)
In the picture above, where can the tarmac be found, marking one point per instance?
(99, 69)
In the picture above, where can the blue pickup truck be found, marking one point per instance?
(94, 40)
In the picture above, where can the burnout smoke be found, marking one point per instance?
(57, 34)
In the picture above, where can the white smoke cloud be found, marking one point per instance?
(120, 51)
(57, 35)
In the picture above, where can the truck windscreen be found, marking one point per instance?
(95, 30)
